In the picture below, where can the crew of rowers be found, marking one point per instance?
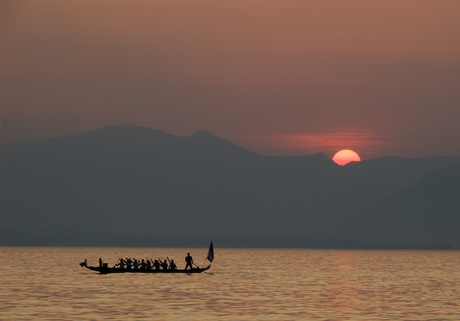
(147, 264)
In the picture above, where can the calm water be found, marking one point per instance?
(243, 284)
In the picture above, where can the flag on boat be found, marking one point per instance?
(210, 256)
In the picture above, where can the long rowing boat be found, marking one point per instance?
(105, 269)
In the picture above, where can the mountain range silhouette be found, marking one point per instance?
(133, 186)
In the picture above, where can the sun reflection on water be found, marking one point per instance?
(244, 284)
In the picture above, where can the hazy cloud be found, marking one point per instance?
(236, 68)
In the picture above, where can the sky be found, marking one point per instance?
(278, 77)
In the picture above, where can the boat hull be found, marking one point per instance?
(107, 270)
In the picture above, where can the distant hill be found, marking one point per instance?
(426, 213)
(137, 186)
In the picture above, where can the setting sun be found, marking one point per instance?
(345, 156)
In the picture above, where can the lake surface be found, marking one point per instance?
(242, 284)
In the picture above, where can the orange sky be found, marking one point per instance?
(280, 77)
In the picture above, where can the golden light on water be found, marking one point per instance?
(241, 285)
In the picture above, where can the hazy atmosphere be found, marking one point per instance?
(276, 77)
(230, 159)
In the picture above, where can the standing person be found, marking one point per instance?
(189, 261)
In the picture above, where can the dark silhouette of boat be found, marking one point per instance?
(105, 269)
